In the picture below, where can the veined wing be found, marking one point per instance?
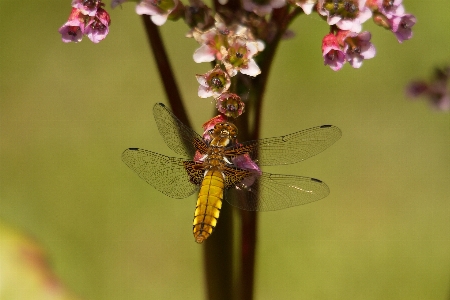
(166, 174)
(278, 192)
(178, 137)
(290, 148)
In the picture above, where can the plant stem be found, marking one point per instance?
(165, 70)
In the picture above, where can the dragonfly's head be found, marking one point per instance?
(223, 134)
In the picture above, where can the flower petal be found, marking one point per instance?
(204, 92)
(204, 54)
(159, 19)
(251, 69)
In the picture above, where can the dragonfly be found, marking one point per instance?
(214, 165)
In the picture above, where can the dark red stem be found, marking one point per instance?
(165, 70)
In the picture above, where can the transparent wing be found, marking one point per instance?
(166, 174)
(178, 137)
(290, 148)
(278, 192)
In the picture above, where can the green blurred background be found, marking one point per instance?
(69, 110)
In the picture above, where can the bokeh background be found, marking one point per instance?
(67, 111)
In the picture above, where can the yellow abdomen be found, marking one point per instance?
(209, 203)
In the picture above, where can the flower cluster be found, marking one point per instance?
(233, 32)
(437, 91)
(346, 42)
(87, 18)
(233, 48)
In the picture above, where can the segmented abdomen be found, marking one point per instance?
(209, 203)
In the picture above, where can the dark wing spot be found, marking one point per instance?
(316, 180)
(133, 149)
(325, 126)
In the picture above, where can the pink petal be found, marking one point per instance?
(251, 69)
(333, 20)
(355, 61)
(364, 15)
(204, 92)
(204, 54)
(307, 7)
(159, 19)
(349, 25)
(369, 52)
(202, 80)
(143, 9)
(64, 31)
(251, 48)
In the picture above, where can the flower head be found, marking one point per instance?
(213, 83)
(72, 30)
(239, 56)
(345, 14)
(332, 52)
(357, 47)
(401, 26)
(98, 27)
(230, 105)
(212, 41)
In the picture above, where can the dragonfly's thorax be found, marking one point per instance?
(223, 134)
(215, 157)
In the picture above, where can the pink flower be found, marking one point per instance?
(98, 27)
(401, 26)
(357, 47)
(158, 10)
(239, 56)
(332, 53)
(345, 14)
(230, 105)
(246, 163)
(391, 8)
(213, 83)
(72, 30)
(212, 41)
(264, 7)
(217, 41)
